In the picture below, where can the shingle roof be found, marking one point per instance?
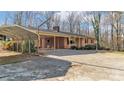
(60, 32)
(45, 31)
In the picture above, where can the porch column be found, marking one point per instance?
(80, 42)
(69, 38)
(79, 45)
(43, 42)
(54, 42)
(58, 43)
(65, 42)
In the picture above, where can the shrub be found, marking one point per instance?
(90, 47)
(81, 48)
(73, 47)
(7, 44)
(33, 48)
(76, 48)
(107, 49)
(25, 46)
(103, 48)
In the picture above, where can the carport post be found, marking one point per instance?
(58, 43)
(79, 43)
(29, 42)
(22, 46)
(38, 42)
(69, 38)
(54, 42)
(17, 46)
(42, 42)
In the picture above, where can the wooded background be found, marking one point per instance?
(106, 26)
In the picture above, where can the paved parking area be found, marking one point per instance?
(35, 68)
(67, 65)
(89, 65)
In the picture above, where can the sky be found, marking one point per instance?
(2, 17)
(4, 14)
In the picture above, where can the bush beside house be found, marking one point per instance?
(88, 47)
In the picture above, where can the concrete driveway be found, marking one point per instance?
(36, 68)
(67, 64)
(89, 65)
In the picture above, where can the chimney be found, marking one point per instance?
(56, 28)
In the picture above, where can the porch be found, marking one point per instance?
(53, 42)
(59, 42)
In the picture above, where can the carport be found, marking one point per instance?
(19, 34)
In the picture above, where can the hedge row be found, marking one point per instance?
(88, 47)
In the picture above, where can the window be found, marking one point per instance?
(72, 42)
(48, 41)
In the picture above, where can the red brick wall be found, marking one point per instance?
(66, 42)
(62, 42)
(83, 41)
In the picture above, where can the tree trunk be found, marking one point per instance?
(112, 39)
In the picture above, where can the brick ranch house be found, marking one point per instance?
(53, 39)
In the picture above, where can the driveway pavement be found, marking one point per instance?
(36, 68)
(89, 65)
(67, 65)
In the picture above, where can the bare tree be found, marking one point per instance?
(18, 17)
(28, 18)
(6, 19)
(86, 21)
(46, 15)
(56, 20)
(96, 25)
(78, 22)
(71, 21)
(117, 27)
(64, 26)
(112, 28)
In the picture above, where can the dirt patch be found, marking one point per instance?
(4, 53)
(14, 59)
(8, 57)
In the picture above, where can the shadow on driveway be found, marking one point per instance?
(69, 52)
(34, 69)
